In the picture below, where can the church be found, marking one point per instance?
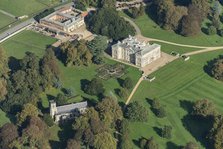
(66, 112)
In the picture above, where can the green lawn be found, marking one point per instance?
(27, 41)
(150, 29)
(5, 20)
(23, 7)
(176, 85)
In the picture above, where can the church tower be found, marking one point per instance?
(53, 108)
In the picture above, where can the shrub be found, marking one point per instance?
(136, 112)
(161, 112)
(212, 30)
(48, 120)
(128, 84)
(220, 32)
(155, 104)
(166, 132)
(123, 93)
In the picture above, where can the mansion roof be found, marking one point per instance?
(135, 46)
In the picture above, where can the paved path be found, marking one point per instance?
(134, 90)
(8, 14)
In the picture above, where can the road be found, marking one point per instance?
(15, 29)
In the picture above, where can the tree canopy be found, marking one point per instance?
(107, 22)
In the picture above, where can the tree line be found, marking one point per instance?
(184, 18)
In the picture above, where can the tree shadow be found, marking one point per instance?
(55, 144)
(186, 105)
(136, 142)
(66, 133)
(84, 82)
(198, 127)
(150, 11)
(158, 131)
(128, 13)
(155, 111)
(182, 3)
(205, 29)
(120, 81)
(90, 101)
(117, 91)
(42, 109)
(13, 64)
(171, 145)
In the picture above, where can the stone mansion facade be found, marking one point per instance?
(65, 112)
(138, 53)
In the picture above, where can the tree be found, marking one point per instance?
(191, 145)
(136, 112)
(28, 110)
(168, 15)
(151, 144)
(107, 22)
(50, 69)
(212, 30)
(3, 64)
(216, 23)
(94, 87)
(191, 23)
(142, 143)
(104, 140)
(108, 3)
(166, 132)
(203, 6)
(217, 69)
(204, 108)
(123, 93)
(125, 141)
(128, 83)
(98, 45)
(109, 111)
(61, 99)
(161, 112)
(216, 133)
(8, 133)
(48, 120)
(73, 144)
(35, 134)
(3, 88)
(155, 104)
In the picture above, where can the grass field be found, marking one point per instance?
(150, 29)
(23, 7)
(5, 20)
(176, 85)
